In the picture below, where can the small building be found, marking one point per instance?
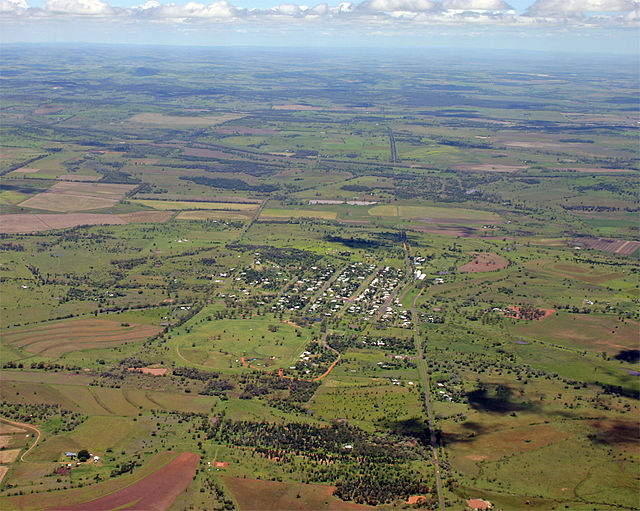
(69, 454)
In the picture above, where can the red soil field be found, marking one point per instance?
(156, 492)
(484, 262)
(257, 494)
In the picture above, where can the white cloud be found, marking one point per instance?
(476, 5)
(13, 6)
(81, 7)
(399, 5)
(390, 15)
(568, 8)
(193, 10)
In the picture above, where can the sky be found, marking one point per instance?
(583, 26)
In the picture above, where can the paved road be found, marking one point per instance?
(427, 399)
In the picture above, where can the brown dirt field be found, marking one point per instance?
(9, 456)
(47, 109)
(59, 337)
(144, 217)
(156, 492)
(26, 170)
(66, 196)
(25, 223)
(4, 441)
(484, 262)
(621, 247)
(204, 153)
(260, 495)
(3, 472)
(416, 499)
(155, 371)
(9, 429)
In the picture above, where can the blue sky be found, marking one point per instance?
(610, 26)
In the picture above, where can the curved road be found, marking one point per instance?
(25, 426)
(427, 399)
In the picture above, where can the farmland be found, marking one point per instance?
(342, 286)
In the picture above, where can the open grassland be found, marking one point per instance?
(275, 213)
(594, 333)
(214, 215)
(58, 338)
(158, 119)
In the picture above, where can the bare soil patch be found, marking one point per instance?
(9, 456)
(622, 247)
(204, 153)
(67, 196)
(25, 223)
(154, 371)
(484, 262)
(47, 109)
(3, 472)
(257, 494)
(4, 441)
(9, 429)
(156, 492)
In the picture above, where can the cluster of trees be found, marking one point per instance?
(214, 385)
(282, 256)
(228, 183)
(66, 420)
